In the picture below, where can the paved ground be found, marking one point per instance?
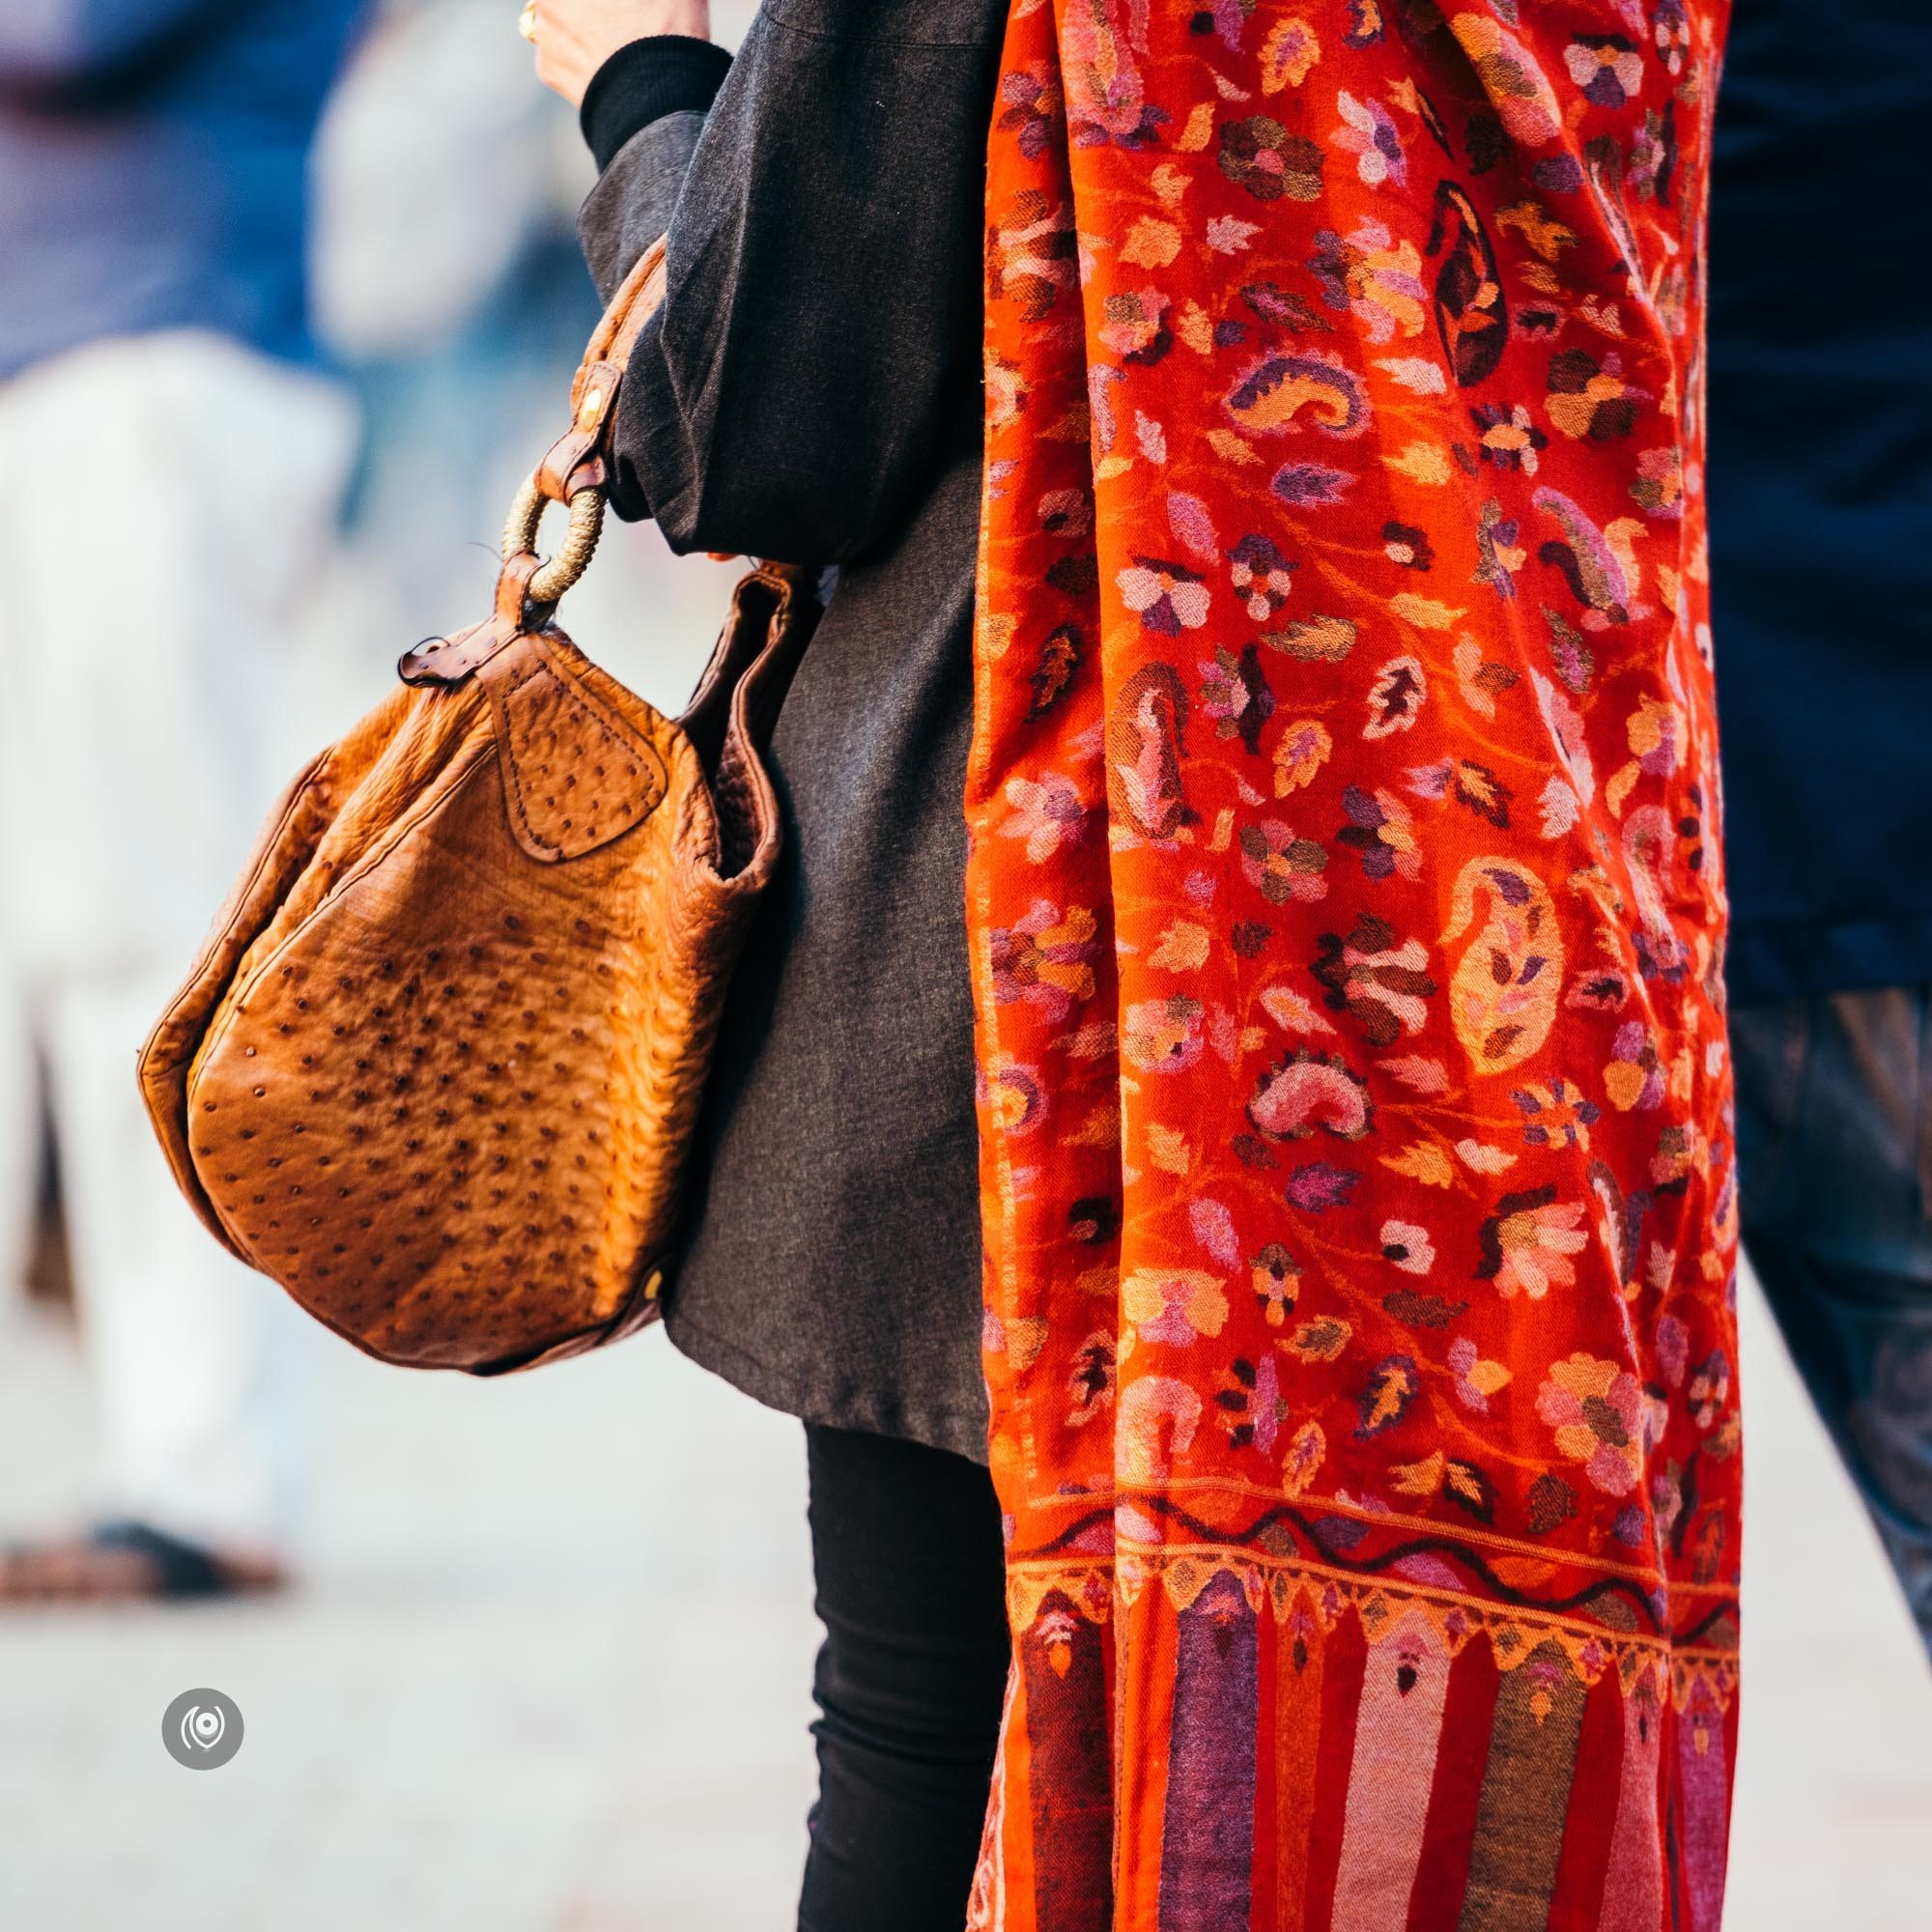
(549, 1677)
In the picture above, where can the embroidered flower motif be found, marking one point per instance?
(1282, 866)
(1476, 1379)
(1382, 984)
(1408, 1247)
(1499, 555)
(1159, 1416)
(1277, 1283)
(1671, 28)
(1163, 1035)
(1262, 576)
(1250, 1402)
(1660, 482)
(1235, 696)
(1634, 1077)
(1589, 398)
(1029, 107)
(1656, 734)
(1365, 23)
(1510, 78)
(1167, 597)
(1653, 156)
(1368, 134)
(1380, 829)
(1606, 67)
(1597, 1410)
(1014, 1097)
(1710, 1389)
(1508, 439)
(1135, 325)
(1527, 1243)
(1066, 513)
(1372, 277)
(1047, 959)
(1555, 1115)
(1174, 1305)
(1046, 812)
(1260, 155)
(1032, 260)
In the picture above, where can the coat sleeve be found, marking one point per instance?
(632, 204)
(821, 323)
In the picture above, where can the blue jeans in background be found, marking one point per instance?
(1834, 1164)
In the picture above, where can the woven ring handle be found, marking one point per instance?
(580, 542)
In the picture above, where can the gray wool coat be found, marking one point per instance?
(810, 392)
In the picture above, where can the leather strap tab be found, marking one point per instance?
(513, 587)
(574, 462)
(577, 458)
(638, 299)
(450, 660)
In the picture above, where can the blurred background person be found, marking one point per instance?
(176, 463)
(1821, 525)
(405, 262)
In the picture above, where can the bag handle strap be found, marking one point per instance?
(574, 471)
(639, 298)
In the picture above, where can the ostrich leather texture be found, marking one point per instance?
(437, 1064)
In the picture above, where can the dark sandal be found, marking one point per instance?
(124, 1562)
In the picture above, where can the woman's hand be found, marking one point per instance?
(575, 37)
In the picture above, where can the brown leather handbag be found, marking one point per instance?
(437, 1068)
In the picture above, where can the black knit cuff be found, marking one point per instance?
(667, 73)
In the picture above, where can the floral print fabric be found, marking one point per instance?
(1346, 913)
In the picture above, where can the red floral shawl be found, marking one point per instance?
(1346, 915)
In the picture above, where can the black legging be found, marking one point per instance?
(905, 1541)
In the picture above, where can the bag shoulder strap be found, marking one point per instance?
(576, 473)
(577, 458)
(575, 470)
(639, 298)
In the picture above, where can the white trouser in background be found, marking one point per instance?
(165, 536)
